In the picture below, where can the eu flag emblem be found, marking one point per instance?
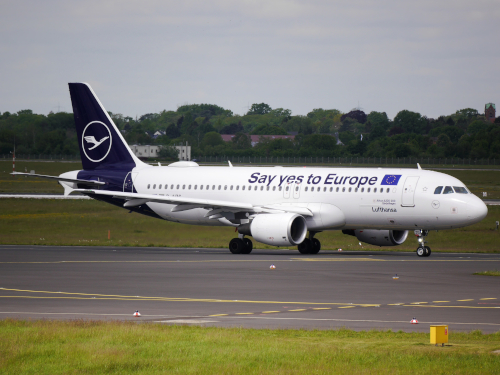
(391, 179)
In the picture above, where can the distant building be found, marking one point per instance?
(490, 112)
(153, 151)
(255, 139)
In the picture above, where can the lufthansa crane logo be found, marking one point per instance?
(96, 141)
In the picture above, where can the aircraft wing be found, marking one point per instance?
(57, 178)
(184, 204)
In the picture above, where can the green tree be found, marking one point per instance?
(241, 141)
(212, 139)
(169, 152)
(379, 119)
(411, 122)
(259, 109)
(477, 126)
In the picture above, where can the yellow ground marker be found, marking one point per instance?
(464, 300)
(484, 299)
(298, 310)
(244, 313)
(346, 307)
(440, 301)
(219, 315)
(417, 303)
(322, 308)
(395, 304)
(270, 312)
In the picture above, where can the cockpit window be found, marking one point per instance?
(460, 190)
(448, 190)
(438, 190)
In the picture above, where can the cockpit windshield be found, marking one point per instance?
(448, 190)
(451, 190)
(460, 190)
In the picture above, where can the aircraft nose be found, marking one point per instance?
(476, 210)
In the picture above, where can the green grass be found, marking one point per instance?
(488, 273)
(90, 347)
(86, 222)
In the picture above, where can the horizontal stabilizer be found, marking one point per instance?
(57, 178)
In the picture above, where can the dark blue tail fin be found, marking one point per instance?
(101, 143)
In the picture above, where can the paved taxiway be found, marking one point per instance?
(213, 287)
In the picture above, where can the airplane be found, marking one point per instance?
(275, 205)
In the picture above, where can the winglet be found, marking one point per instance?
(230, 165)
(419, 167)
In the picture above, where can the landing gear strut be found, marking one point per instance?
(240, 245)
(310, 245)
(422, 250)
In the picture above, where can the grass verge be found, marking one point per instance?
(96, 347)
(86, 222)
(488, 273)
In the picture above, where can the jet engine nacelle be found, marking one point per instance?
(276, 229)
(379, 237)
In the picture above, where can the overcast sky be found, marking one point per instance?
(429, 56)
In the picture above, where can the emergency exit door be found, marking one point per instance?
(408, 198)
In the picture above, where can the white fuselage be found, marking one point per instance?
(367, 197)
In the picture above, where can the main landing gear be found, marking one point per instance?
(310, 245)
(241, 245)
(422, 250)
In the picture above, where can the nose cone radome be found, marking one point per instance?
(476, 210)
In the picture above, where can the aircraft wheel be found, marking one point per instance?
(236, 246)
(248, 246)
(316, 246)
(420, 251)
(305, 247)
(427, 251)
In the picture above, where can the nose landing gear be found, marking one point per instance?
(422, 250)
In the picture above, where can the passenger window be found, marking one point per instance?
(149, 186)
(261, 188)
(324, 189)
(350, 189)
(355, 190)
(281, 187)
(368, 190)
(287, 188)
(225, 187)
(460, 190)
(375, 190)
(362, 190)
(201, 187)
(171, 186)
(195, 187)
(448, 190)
(306, 188)
(274, 188)
(255, 188)
(178, 186)
(267, 188)
(189, 187)
(213, 187)
(296, 188)
(231, 187)
(343, 190)
(243, 187)
(219, 187)
(438, 190)
(337, 190)
(159, 187)
(208, 187)
(388, 190)
(237, 187)
(154, 186)
(183, 187)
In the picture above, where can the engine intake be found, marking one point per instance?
(276, 229)
(379, 237)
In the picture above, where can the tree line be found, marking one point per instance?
(321, 133)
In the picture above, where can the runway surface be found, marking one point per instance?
(213, 287)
